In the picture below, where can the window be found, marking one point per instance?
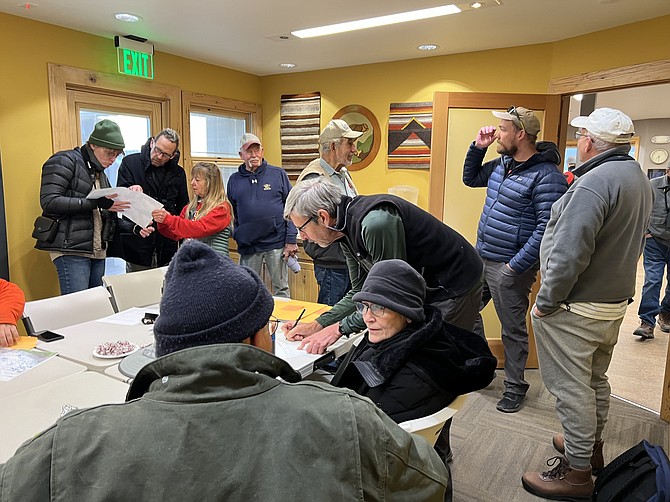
(214, 135)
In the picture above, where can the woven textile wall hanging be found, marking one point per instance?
(410, 128)
(299, 129)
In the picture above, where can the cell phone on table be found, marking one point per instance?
(49, 336)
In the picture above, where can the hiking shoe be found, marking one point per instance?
(597, 459)
(644, 331)
(510, 403)
(664, 322)
(562, 482)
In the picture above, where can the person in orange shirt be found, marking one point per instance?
(206, 217)
(12, 302)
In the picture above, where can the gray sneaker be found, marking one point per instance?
(644, 331)
(664, 322)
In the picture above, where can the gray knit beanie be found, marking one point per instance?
(209, 299)
(394, 284)
(107, 134)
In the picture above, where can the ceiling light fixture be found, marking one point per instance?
(476, 5)
(373, 22)
(578, 97)
(427, 47)
(127, 17)
(287, 65)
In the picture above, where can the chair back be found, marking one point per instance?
(66, 310)
(430, 427)
(135, 289)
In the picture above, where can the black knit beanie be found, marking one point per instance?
(209, 299)
(394, 284)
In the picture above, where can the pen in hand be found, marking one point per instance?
(299, 317)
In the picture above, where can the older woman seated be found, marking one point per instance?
(411, 363)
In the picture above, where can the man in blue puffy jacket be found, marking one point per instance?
(521, 186)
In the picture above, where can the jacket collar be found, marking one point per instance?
(617, 153)
(211, 373)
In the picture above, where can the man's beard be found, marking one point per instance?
(511, 151)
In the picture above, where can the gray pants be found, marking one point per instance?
(277, 268)
(574, 354)
(509, 292)
(463, 310)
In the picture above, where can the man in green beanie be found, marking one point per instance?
(82, 228)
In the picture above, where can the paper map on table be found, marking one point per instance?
(141, 204)
(289, 310)
(16, 362)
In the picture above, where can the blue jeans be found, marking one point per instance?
(77, 273)
(656, 260)
(333, 284)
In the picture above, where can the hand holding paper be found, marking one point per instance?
(141, 204)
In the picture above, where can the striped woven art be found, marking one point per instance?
(299, 130)
(410, 128)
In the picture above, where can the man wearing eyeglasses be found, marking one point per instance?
(521, 186)
(155, 170)
(589, 258)
(83, 228)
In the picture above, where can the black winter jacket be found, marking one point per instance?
(67, 178)
(170, 190)
(420, 370)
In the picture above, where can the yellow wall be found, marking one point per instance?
(25, 128)
(25, 136)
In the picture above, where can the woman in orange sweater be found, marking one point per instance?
(12, 302)
(207, 217)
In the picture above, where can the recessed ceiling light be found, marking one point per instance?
(427, 47)
(287, 65)
(28, 5)
(476, 5)
(578, 97)
(373, 22)
(127, 17)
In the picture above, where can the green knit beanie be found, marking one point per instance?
(107, 134)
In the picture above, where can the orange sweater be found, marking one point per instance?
(12, 302)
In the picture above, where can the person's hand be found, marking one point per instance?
(9, 335)
(146, 232)
(319, 342)
(301, 331)
(290, 249)
(537, 312)
(486, 136)
(119, 205)
(159, 215)
(136, 188)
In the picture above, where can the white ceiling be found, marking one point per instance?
(243, 35)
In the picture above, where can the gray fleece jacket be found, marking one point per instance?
(595, 235)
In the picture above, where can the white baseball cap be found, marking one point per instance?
(336, 129)
(607, 124)
(249, 139)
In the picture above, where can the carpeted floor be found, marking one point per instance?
(493, 449)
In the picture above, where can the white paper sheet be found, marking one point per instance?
(141, 204)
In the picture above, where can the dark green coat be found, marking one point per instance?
(214, 423)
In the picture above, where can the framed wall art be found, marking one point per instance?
(361, 119)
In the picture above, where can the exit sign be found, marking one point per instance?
(135, 63)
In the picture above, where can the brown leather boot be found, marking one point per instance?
(597, 459)
(562, 482)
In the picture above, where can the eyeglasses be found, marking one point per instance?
(305, 224)
(273, 325)
(163, 154)
(512, 110)
(581, 135)
(110, 153)
(377, 310)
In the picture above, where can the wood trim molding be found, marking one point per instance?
(63, 78)
(626, 76)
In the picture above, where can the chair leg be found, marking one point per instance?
(443, 444)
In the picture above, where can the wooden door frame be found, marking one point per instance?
(443, 102)
(64, 133)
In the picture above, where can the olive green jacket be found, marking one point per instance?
(214, 423)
